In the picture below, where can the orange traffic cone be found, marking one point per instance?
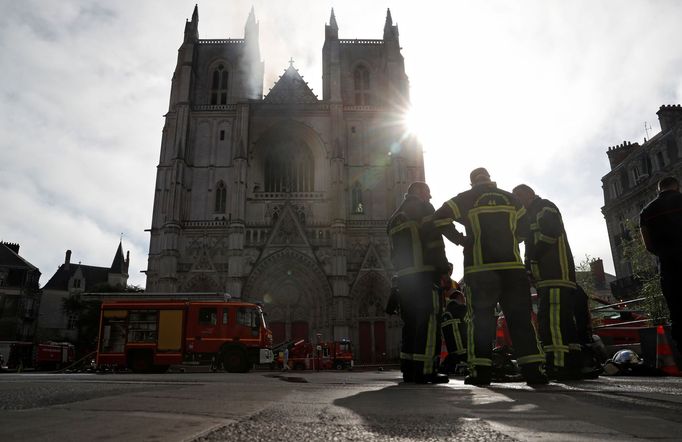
(443, 351)
(664, 354)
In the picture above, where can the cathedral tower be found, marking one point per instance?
(283, 198)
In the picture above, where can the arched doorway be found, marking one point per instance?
(373, 337)
(295, 294)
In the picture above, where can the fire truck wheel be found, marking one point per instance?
(234, 360)
(339, 366)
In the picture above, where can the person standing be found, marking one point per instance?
(660, 224)
(418, 256)
(495, 223)
(550, 262)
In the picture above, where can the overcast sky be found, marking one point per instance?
(533, 90)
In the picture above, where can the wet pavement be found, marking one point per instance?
(331, 406)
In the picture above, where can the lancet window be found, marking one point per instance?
(361, 85)
(219, 85)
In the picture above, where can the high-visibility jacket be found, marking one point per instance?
(495, 223)
(416, 245)
(548, 254)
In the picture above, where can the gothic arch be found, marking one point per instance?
(375, 334)
(293, 289)
(296, 137)
(200, 283)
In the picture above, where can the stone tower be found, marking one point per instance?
(284, 198)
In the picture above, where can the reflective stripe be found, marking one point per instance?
(406, 356)
(455, 210)
(553, 348)
(555, 283)
(530, 359)
(442, 222)
(538, 237)
(574, 347)
(555, 326)
(434, 244)
(454, 324)
(493, 266)
(431, 333)
(563, 259)
(469, 320)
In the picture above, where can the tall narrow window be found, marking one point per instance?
(356, 199)
(219, 85)
(220, 197)
(361, 85)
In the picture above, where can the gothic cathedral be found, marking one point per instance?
(283, 198)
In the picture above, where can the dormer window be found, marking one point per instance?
(361, 86)
(76, 283)
(219, 85)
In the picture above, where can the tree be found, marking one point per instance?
(87, 314)
(645, 272)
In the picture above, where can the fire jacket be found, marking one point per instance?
(548, 254)
(416, 244)
(495, 223)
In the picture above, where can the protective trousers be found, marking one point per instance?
(420, 311)
(556, 322)
(453, 328)
(511, 289)
(671, 286)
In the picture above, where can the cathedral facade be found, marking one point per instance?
(283, 198)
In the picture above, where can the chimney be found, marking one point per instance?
(669, 116)
(618, 153)
(598, 275)
(67, 258)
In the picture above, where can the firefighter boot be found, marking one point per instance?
(534, 374)
(433, 378)
(480, 375)
(407, 368)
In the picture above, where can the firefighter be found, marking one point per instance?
(550, 262)
(453, 328)
(418, 256)
(495, 223)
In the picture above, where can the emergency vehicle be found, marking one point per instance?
(151, 334)
(43, 356)
(336, 355)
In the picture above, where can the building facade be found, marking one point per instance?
(283, 198)
(72, 279)
(19, 297)
(632, 181)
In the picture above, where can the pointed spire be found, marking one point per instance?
(252, 17)
(390, 31)
(331, 31)
(195, 13)
(192, 27)
(117, 266)
(332, 21)
(251, 25)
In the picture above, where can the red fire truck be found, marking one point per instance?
(336, 355)
(151, 334)
(44, 356)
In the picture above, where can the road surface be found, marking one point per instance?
(330, 406)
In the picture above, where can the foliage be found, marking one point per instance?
(87, 312)
(644, 270)
(584, 276)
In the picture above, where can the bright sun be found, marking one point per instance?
(414, 122)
